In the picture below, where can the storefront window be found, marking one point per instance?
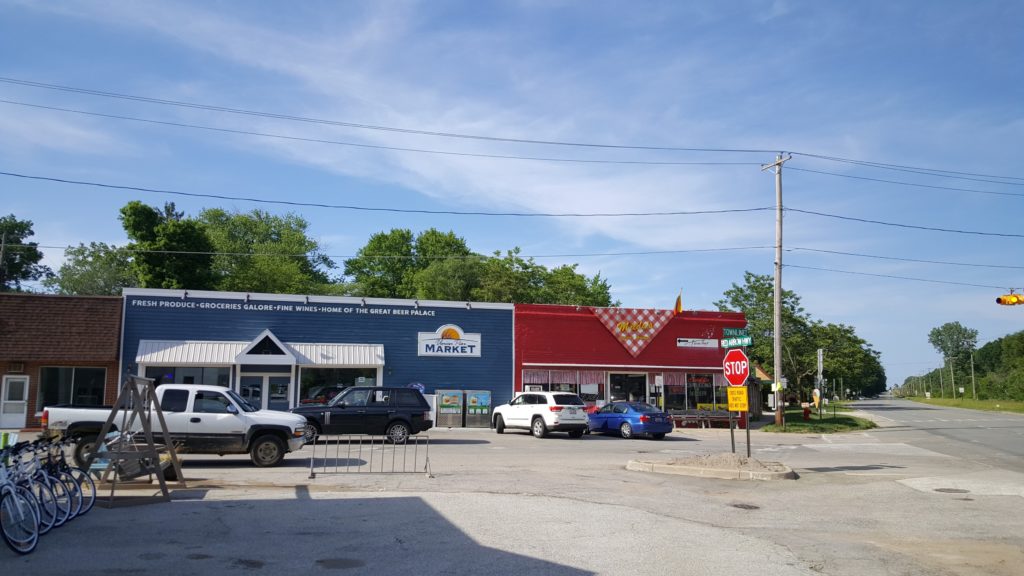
(319, 385)
(700, 392)
(628, 387)
(214, 376)
(74, 386)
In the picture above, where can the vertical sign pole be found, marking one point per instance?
(732, 433)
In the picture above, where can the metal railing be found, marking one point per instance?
(369, 454)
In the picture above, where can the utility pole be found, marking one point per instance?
(974, 391)
(952, 378)
(777, 324)
(3, 247)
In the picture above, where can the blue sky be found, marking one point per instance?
(935, 85)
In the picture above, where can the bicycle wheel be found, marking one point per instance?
(74, 492)
(86, 486)
(61, 497)
(47, 506)
(19, 526)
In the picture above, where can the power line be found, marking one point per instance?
(901, 167)
(897, 225)
(944, 262)
(916, 185)
(900, 277)
(398, 210)
(167, 102)
(372, 146)
(405, 256)
(289, 117)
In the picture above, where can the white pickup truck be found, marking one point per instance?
(200, 420)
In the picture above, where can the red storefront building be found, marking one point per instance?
(666, 358)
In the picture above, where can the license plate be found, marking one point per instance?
(572, 410)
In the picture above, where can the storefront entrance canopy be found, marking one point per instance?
(212, 353)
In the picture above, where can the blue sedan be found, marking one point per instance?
(631, 419)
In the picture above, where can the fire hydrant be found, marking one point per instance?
(807, 412)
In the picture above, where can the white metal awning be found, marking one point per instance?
(211, 353)
(188, 352)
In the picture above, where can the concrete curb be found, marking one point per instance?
(780, 471)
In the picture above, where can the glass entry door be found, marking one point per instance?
(13, 402)
(266, 391)
(628, 387)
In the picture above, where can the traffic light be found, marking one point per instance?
(1010, 299)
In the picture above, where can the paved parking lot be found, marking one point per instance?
(514, 504)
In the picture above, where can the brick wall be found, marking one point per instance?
(64, 331)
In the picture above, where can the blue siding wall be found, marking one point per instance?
(394, 326)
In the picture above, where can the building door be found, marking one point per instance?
(627, 387)
(14, 402)
(266, 391)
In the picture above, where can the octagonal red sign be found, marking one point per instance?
(736, 367)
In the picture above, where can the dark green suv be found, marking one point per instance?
(394, 412)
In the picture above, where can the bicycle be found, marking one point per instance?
(19, 519)
(78, 481)
(41, 494)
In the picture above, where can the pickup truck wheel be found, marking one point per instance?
(538, 427)
(499, 424)
(311, 432)
(397, 432)
(83, 448)
(267, 451)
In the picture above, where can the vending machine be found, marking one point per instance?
(478, 408)
(449, 408)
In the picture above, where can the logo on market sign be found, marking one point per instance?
(634, 328)
(450, 341)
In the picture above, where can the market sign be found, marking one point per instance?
(450, 341)
(727, 332)
(737, 341)
(738, 399)
(634, 328)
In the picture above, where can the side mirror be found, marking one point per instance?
(232, 409)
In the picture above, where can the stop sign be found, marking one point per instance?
(736, 367)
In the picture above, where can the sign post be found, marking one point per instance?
(736, 368)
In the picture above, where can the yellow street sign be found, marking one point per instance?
(738, 399)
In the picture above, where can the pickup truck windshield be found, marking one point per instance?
(240, 401)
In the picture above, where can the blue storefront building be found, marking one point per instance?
(279, 351)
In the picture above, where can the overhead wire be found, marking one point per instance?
(381, 209)
(900, 277)
(914, 184)
(373, 146)
(289, 117)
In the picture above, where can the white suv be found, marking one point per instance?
(541, 412)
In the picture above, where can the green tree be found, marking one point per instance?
(449, 279)
(510, 279)
(20, 261)
(170, 250)
(755, 298)
(389, 263)
(952, 339)
(260, 252)
(563, 285)
(97, 269)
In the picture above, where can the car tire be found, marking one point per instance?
(397, 432)
(312, 431)
(575, 433)
(499, 424)
(84, 446)
(538, 427)
(658, 436)
(267, 451)
(626, 430)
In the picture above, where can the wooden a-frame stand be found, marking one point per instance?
(126, 455)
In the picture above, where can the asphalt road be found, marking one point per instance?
(988, 438)
(866, 504)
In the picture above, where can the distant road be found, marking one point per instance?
(993, 438)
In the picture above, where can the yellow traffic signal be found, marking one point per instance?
(1010, 299)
